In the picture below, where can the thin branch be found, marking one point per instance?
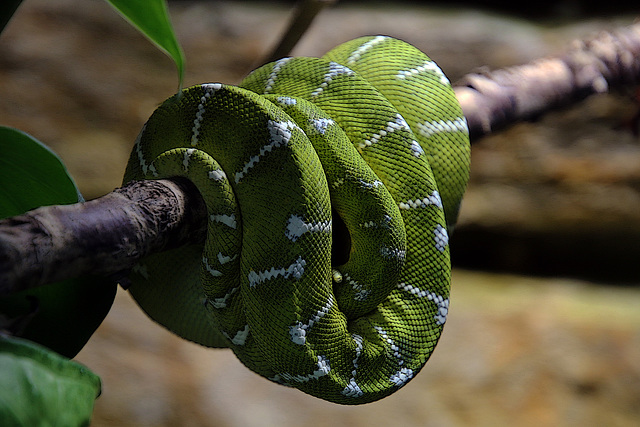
(493, 100)
(108, 235)
(104, 236)
(7, 10)
(304, 15)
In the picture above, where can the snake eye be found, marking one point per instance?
(341, 240)
(337, 276)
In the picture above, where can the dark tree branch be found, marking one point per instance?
(104, 236)
(7, 9)
(108, 235)
(304, 15)
(493, 100)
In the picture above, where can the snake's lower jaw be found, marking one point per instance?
(347, 307)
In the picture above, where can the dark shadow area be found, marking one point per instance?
(604, 256)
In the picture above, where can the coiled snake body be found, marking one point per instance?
(369, 139)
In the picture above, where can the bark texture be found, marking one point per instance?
(496, 99)
(104, 236)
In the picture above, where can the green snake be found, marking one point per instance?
(365, 147)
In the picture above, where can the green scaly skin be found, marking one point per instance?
(371, 133)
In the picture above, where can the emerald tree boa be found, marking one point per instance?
(331, 186)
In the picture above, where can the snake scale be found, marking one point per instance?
(365, 147)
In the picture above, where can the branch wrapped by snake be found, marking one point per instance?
(332, 185)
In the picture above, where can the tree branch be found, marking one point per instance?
(304, 15)
(493, 100)
(108, 235)
(104, 236)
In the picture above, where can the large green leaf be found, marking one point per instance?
(31, 175)
(40, 388)
(66, 313)
(151, 18)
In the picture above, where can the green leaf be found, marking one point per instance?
(31, 175)
(66, 313)
(151, 18)
(39, 387)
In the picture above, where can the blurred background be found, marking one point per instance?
(544, 324)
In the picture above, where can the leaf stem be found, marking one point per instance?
(304, 15)
(7, 10)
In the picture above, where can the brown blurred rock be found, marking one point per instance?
(565, 190)
(516, 352)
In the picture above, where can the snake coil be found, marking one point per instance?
(366, 146)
